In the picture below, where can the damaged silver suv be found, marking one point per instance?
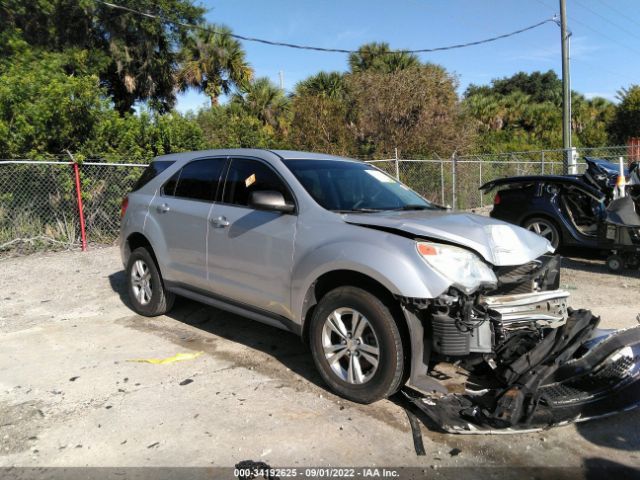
(382, 284)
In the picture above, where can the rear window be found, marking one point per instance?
(152, 171)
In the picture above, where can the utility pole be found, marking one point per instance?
(281, 74)
(566, 90)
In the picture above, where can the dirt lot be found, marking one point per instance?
(71, 396)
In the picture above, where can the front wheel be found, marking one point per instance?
(356, 345)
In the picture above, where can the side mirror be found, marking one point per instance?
(269, 200)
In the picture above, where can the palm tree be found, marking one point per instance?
(262, 99)
(214, 62)
(327, 84)
(380, 58)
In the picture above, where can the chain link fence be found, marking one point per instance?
(39, 199)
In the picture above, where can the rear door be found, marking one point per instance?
(181, 210)
(250, 251)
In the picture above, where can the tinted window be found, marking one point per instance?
(198, 180)
(169, 188)
(354, 186)
(246, 176)
(152, 171)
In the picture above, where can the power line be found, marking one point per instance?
(573, 19)
(624, 15)
(320, 49)
(607, 20)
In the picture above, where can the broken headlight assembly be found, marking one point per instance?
(464, 269)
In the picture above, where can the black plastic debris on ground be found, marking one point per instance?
(575, 374)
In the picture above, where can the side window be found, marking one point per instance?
(197, 180)
(246, 176)
(169, 188)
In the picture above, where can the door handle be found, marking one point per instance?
(163, 208)
(220, 222)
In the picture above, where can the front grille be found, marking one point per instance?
(510, 278)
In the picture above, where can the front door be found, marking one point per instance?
(250, 251)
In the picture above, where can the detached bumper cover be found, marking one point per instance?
(575, 374)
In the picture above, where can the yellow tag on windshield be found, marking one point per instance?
(250, 180)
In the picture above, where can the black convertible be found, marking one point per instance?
(575, 210)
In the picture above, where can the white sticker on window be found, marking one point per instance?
(250, 180)
(380, 176)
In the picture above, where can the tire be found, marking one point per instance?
(142, 271)
(366, 382)
(615, 263)
(545, 228)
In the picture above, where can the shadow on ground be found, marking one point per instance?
(285, 347)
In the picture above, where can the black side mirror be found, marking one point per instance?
(269, 200)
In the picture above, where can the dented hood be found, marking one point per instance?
(499, 243)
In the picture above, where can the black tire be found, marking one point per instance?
(615, 263)
(386, 379)
(161, 300)
(554, 236)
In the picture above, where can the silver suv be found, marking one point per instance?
(381, 283)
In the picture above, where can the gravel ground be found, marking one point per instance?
(71, 396)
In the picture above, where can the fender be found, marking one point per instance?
(390, 259)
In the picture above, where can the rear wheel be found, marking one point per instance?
(356, 345)
(545, 228)
(615, 263)
(146, 290)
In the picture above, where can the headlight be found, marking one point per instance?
(465, 269)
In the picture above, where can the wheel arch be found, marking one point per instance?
(333, 279)
(136, 240)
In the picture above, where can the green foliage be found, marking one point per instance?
(378, 57)
(134, 56)
(45, 109)
(524, 112)
(626, 123)
(230, 127)
(214, 62)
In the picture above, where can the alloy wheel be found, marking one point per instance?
(543, 229)
(350, 346)
(141, 282)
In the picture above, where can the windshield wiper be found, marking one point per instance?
(413, 207)
(357, 210)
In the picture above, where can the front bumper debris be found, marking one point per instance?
(545, 309)
(575, 373)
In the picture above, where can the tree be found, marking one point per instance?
(214, 62)
(327, 84)
(134, 56)
(43, 108)
(626, 122)
(378, 57)
(264, 100)
(539, 86)
(415, 110)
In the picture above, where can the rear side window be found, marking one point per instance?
(245, 176)
(197, 180)
(152, 171)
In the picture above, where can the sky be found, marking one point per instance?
(605, 41)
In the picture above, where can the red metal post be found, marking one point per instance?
(76, 171)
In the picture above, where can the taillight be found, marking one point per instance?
(497, 199)
(123, 206)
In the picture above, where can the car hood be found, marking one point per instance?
(499, 243)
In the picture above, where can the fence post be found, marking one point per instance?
(454, 161)
(481, 197)
(441, 181)
(397, 166)
(76, 173)
(542, 163)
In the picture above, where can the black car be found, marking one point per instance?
(565, 209)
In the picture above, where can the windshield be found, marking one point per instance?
(346, 186)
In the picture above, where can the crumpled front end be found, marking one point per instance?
(528, 361)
